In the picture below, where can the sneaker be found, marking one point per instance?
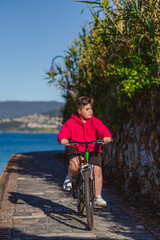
(67, 185)
(99, 202)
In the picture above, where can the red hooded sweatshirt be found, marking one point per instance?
(76, 130)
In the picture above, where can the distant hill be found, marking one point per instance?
(12, 109)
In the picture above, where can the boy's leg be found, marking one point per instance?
(73, 167)
(95, 159)
(73, 170)
(98, 180)
(99, 201)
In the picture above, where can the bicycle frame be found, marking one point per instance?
(87, 165)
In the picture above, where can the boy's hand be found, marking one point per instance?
(64, 141)
(106, 139)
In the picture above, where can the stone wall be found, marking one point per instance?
(132, 161)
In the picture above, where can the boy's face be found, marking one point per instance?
(86, 112)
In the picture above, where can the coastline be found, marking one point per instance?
(55, 132)
(12, 142)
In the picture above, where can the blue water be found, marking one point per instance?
(11, 143)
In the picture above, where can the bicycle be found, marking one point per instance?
(84, 185)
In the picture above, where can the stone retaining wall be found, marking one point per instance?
(10, 167)
(132, 161)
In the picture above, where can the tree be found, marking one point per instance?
(116, 61)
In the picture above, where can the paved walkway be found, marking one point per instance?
(35, 206)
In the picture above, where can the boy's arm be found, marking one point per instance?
(65, 134)
(103, 132)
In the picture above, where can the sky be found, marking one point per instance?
(32, 33)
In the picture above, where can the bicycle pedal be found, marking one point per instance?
(99, 207)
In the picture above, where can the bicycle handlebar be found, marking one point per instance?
(99, 141)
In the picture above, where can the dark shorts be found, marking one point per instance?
(94, 157)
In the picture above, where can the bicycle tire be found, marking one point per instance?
(88, 192)
(80, 202)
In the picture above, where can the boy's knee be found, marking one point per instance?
(73, 165)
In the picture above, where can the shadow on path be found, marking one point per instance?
(24, 236)
(56, 211)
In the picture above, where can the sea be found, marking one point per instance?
(11, 143)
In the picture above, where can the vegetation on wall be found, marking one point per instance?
(115, 60)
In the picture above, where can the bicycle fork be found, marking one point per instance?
(85, 168)
(90, 168)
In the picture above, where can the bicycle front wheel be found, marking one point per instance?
(89, 198)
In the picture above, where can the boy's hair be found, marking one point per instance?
(83, 101)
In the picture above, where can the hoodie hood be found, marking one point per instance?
(76, 117)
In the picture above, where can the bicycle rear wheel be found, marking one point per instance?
(80, 201)
(89, 198)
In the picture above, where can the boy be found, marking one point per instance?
(84, 127)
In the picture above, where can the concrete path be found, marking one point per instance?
(35, 206)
